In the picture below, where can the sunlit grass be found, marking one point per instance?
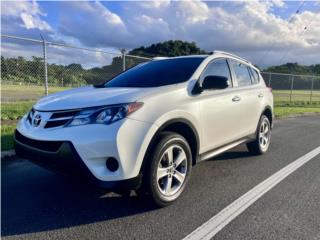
(15, 110)
(282, 112)
(12, 93)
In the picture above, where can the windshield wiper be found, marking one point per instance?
(99, 85)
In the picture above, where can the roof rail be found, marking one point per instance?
(232, 55)
(159, 58)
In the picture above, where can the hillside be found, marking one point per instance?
(295, 68)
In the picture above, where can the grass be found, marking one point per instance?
(6, 137)
(11, 112)
(284, 109)
(24, 93)
(278, 103)
(282, 112)
(297, 95)
(15, 110)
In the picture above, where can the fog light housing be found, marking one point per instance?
(112, 164)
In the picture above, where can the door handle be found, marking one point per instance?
(236, 99)
(260, 95)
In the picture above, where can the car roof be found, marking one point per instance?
(184, 56)
(213, 55)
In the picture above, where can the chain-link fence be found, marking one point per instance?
(293, 88)
(32, 68)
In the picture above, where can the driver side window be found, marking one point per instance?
(217, 68)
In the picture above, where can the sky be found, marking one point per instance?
(265, 32)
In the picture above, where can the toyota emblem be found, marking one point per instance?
(36, 119)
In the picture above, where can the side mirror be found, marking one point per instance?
(215, 82)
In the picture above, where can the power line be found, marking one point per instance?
(303, 31)
(289, 21)
(67, 46)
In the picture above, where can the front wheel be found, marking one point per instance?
(169, 169)
(263, 136)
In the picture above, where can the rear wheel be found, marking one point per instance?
(263, 136)
(168, 170)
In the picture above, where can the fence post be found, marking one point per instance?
(292, 79)
(45, 65)
(123, 53)
(269, 79)
(312, 79)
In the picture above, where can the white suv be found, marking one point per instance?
(149, 125)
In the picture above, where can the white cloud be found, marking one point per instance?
(31, 22)
(278, 3)
(92, 24)
(27, 13)
(14, 8)
(154, 4)
(192, 12)
(248, 28)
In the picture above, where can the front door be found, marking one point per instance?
(219, 109)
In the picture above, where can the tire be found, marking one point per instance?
(263, 137)
(162, 172)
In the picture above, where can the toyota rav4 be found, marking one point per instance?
(147, 127)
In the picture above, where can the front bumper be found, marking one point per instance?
(61, 156)
(89, 146)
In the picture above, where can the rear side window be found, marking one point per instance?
(242, 73)
(254, 76)
(217, 68)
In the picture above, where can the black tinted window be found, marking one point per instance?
(157, 73)
(217, 68)
(254, 75)
(242, 73)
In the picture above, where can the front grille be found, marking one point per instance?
(59, 119)
(53, 119)
(49, 146)
(64, 114)
(58, 123)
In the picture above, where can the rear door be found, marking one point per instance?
(247, 91)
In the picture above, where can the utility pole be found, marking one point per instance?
(269, 79)
(312, 81)
(45, 64)
(292, 80)
(123, 53)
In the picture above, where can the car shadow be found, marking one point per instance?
(235, 153)
(231, 156)
(36, 200)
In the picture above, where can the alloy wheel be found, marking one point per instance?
(264, 134)
(172, 170)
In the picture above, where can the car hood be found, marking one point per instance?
(90, 97)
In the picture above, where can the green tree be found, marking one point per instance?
(170, 48)
(295, 68)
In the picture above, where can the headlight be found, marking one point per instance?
(104, 115)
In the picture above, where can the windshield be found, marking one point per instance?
(157, 73)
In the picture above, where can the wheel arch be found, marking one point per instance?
(267, 111)
(181, 126)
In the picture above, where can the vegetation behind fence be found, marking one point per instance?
(20, 74)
